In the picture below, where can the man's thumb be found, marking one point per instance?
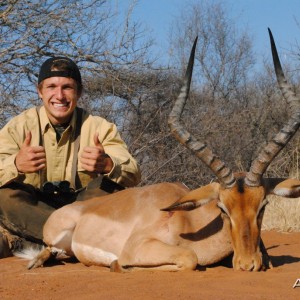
(27, 140)
(96, 140)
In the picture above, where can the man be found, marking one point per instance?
(50, 153)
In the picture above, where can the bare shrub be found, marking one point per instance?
(99, 35)
(282, 214)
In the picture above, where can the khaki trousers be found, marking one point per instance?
(24, 210)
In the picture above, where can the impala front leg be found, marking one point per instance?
(266, 260)
(153, 254)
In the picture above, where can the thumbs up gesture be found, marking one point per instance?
(94, 159)
(30, 159)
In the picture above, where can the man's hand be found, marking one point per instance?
(30, 158)
(94, 159)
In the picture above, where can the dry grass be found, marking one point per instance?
(282, 214)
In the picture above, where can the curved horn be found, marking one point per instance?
(224, 174)
(279, 141)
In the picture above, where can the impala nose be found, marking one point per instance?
(252, 263)
(247, 266)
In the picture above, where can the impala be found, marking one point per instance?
(168, 227)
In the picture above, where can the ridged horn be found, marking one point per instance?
(279, 141)
(224, 174)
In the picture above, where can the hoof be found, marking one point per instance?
(115, 267)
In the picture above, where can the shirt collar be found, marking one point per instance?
(45, 122)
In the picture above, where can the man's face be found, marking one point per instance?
(60, 96)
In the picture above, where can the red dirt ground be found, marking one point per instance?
(76, 281)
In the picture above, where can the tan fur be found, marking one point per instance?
(130, 226)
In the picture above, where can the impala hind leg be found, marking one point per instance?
(59, 228)
(155, 255)
(44, 255)
(40, 259)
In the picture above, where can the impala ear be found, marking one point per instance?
(288, 188)
(196, 198)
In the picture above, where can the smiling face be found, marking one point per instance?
(59, 96)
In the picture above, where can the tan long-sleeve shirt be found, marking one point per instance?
(59, 155)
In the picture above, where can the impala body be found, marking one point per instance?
(130, 227)
(169, 227)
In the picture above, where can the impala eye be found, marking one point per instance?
(261, 210)
(223, 209)
(262, 206)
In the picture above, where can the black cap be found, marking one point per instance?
(68, 69)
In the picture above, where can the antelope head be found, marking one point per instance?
(240, 197)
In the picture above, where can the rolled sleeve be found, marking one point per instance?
(125, 169)
(8, 170)
(125, 173)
